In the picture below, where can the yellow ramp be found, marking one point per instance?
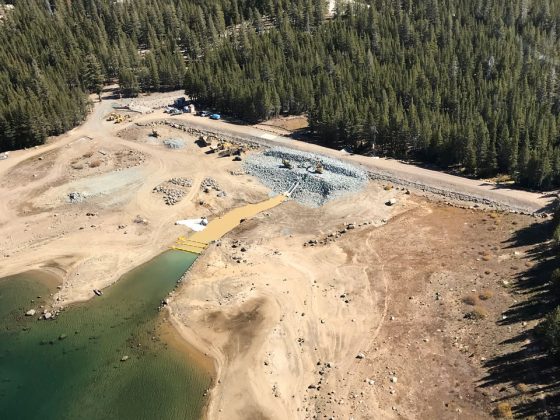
(217, 228)
(187, 248)
(184, 244)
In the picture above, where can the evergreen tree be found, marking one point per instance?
(93, 76)
(471, 83)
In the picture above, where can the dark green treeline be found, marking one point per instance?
(467, 83)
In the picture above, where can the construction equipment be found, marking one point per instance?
(116, 118)
(205, 140)
(224, 145)
(232, 151)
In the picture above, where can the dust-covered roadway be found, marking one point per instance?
(390, 170)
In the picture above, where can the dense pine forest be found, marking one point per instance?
(465, 84)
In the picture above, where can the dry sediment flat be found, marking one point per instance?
(120, 223)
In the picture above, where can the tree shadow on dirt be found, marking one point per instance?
(529, 363)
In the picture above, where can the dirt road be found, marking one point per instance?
(386, 169)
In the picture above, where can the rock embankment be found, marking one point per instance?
(220, 135)
(319, 178)
(478, 200)
(454, 192)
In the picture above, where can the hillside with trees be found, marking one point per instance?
(470, 85)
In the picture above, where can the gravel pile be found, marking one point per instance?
(171, 196)
(75, 197)
(182, 182)
(337, 179)
(174, 143)
(208, 184)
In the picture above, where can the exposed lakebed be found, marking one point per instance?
(72, 367)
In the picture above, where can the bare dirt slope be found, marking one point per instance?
(372, 324)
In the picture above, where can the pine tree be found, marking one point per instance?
(360, 76)
(93, 76)
(470, 161)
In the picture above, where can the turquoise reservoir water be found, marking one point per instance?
(71, 368)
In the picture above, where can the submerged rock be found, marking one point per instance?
(124, 358)
(30, 312)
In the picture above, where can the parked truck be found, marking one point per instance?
(180, 103)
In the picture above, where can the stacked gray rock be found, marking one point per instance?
(75, 197)
(182, 182)
(171, 196)
(210, 183)
(338, 178)
(174, 143)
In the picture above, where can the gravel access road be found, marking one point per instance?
(389, 170)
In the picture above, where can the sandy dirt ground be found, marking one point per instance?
(121, 222)
(352, 310)
(372, 324)
(284, 126)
